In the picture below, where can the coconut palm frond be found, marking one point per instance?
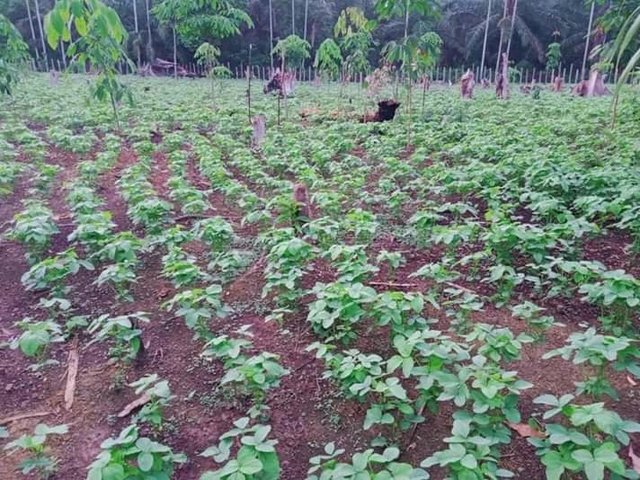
(528, 38)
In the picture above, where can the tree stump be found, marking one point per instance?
(467, 84)
(502, 82)
(259, 124)
(386, 112)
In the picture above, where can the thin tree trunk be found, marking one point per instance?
(63, 54)
(293, 17)
(306, 17)
(586, 46)
(137, 30)
(314, 27)
(513, 26)
(149, 40)
(175, 54)
(271, 34)
(504, 17)
(406, 19)
(44, 46)
(486, 38)
(249, 75)
(135, 15)
(33, 31)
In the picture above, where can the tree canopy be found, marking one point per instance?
(233, 25)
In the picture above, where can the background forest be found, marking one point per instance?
(460, 24)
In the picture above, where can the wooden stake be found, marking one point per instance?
(72, 373)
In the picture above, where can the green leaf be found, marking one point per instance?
(251, 466)
(391, 453)
(145, 461)
(469, 461)
(594, 471)
(81, 26)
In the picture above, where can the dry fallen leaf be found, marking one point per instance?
(137, 403)
(163, 293)
(526, 431)
(631, 381)
(635, 460)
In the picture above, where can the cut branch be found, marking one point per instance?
(72, 373)
(23, 416)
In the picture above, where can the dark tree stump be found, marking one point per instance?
(386, 112)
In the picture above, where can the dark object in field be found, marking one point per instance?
(281, 82)
(161, 67)
(527, 89)
(532, 89)
(147, 89)
(156, 137)
(303, 211)
(467, 83)
(259, 124)
(386, 112)
(594, 87)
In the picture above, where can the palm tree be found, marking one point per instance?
(626, 43)
(44, 46)
(478, 21)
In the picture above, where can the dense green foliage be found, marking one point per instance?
(13, 50)
(460, 23)
(429, 282)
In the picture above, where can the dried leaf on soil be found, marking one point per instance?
(137, 403)
(526, 431)
(635, 460)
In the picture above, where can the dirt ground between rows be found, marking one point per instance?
(305, 411)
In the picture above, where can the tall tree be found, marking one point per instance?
(40, 28)
(514, 14)
(12, 50)
(31, 28)
(198, 21)
(486, 38)
(387, 9)
(100, 42)
(588, 39)
(150, 53)
(502, 26)
(169, 13)
(271, 32)
(136, 30)
(306, 17)
(293, 17)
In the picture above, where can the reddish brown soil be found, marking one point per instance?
(305, 411)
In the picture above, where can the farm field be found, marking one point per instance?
(463, 298)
